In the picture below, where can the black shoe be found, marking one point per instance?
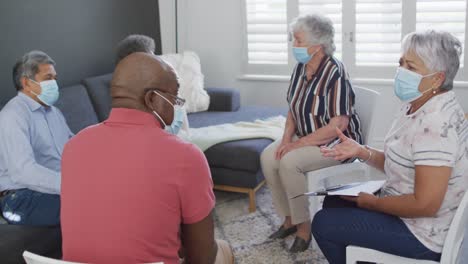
(283, 232)
(300, 245)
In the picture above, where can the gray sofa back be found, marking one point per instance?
(77, 108)
(90, 103)
(98, 90)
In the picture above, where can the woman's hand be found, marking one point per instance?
(284, 148)
(280, 148)
(364, 200)
(348, 148)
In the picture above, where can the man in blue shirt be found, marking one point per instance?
(32, 135)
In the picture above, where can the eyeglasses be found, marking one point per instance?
(177, 100)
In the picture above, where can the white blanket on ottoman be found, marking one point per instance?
(205, 137)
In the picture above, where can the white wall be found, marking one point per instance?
(214, 29)
(167, 24)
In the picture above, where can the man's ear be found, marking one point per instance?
(149, 100)
(24, 82)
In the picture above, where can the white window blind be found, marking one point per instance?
(368, 33)
(267, 31)
(442, 15)
(378, 32)
(330, 8)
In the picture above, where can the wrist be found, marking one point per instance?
(365, 154)
(286, 140)
(373, 204)
(368, 202)
(362, 154)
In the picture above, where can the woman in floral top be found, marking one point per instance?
(425, 157)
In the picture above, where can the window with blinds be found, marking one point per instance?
(442, 15)
(368, 33)
(267, 31)
(330, 8)
(378, 32)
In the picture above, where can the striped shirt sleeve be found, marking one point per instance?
(340, 96)
(435, 142)
(292, 82)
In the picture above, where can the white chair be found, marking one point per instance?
(32, 258)
(366, 105)
(463, 256)
(449, 252)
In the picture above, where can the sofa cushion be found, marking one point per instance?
(99, 90)
(76, 106)
(236, 178)
(223, 99)
(240, 154)
(245, 113)
(14, 240)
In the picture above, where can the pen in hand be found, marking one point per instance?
(334, 143)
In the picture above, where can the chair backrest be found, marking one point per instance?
(366, 107)
(456, 232)
(32, 258)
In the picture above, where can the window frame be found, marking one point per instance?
(408, 25)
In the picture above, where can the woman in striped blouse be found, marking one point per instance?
(320, 99)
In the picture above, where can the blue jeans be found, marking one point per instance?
(341, 223)
(27, 207)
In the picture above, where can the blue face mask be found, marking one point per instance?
(301, 54)
(49, 92)
(179, 114)
(407, 83)
(177, 122)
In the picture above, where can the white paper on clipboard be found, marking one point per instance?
(350, 189)
(366, 187)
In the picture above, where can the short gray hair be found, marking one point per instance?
(439, 50)
(134, 43)
(318, 29)
(28, 66)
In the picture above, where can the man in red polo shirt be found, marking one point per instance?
(131, 191)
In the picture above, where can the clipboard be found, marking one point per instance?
(351, 189)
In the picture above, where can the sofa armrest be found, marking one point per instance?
(223, 99)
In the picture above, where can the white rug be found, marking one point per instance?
(247, 233)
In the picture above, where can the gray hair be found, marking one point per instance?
(439, 50)
(28, 66)
(318, 29)
(134, 43)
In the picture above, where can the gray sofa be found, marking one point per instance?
(235, 166)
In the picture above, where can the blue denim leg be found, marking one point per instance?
(27, 207)
(336, 228)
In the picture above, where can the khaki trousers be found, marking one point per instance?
(224, 255)
(286, 178)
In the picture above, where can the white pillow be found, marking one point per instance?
(187, 66)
